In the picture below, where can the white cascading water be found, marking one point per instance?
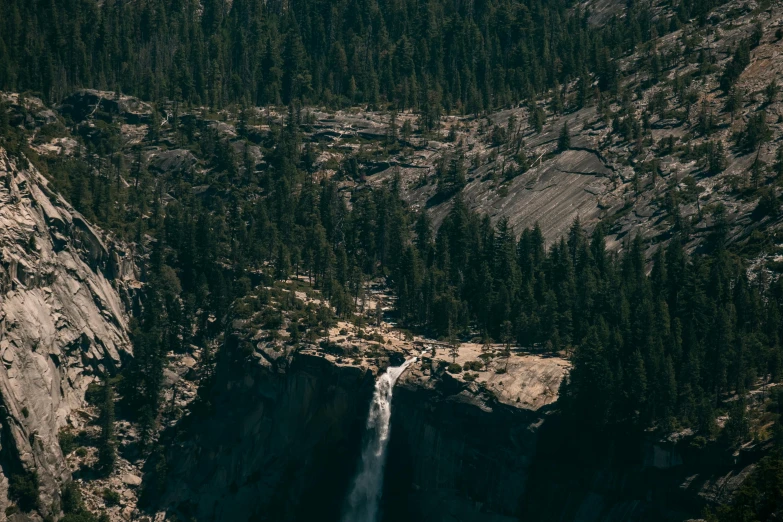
(362, 503)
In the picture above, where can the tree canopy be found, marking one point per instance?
(465, 56)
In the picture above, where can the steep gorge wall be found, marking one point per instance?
(276, 442)
(455, 457)
(62, 323)
(280, 441)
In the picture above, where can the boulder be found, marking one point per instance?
(129, 479)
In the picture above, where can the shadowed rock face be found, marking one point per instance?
(453, 457)
(282, 438)
(62, 322)
(279, 443)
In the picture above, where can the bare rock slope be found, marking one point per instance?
(62, 323)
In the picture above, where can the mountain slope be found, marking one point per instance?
(62, 324)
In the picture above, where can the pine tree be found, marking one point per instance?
(155, 122)
(107, 453)
(717, 161)
(734, 102)
(779, 162)
(755, 134)
(740, 60)
(564, 140)
(537, 118)
(637, 383)
(771, 92)
(486, 342)
(757, 170)
(588, 388)
(737, 426)
(454, 346)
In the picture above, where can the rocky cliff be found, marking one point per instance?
(280, 436)
(62, 324)
(278, 441)
(459, 453)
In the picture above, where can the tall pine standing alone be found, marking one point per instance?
(107, 451)
(564, 140)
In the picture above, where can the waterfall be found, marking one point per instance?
(362, 503)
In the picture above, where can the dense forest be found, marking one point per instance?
(462, 56)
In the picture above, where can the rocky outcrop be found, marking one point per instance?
(62, 323)
(88, 102)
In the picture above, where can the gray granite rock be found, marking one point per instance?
(61, 321)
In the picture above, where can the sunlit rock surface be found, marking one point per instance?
(62, 321)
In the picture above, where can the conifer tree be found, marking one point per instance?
(454, 346)
(107, 453)
(564, 140)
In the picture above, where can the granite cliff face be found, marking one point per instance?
(281, 436)
(62, 323)
(277, 441)
(458, 453)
